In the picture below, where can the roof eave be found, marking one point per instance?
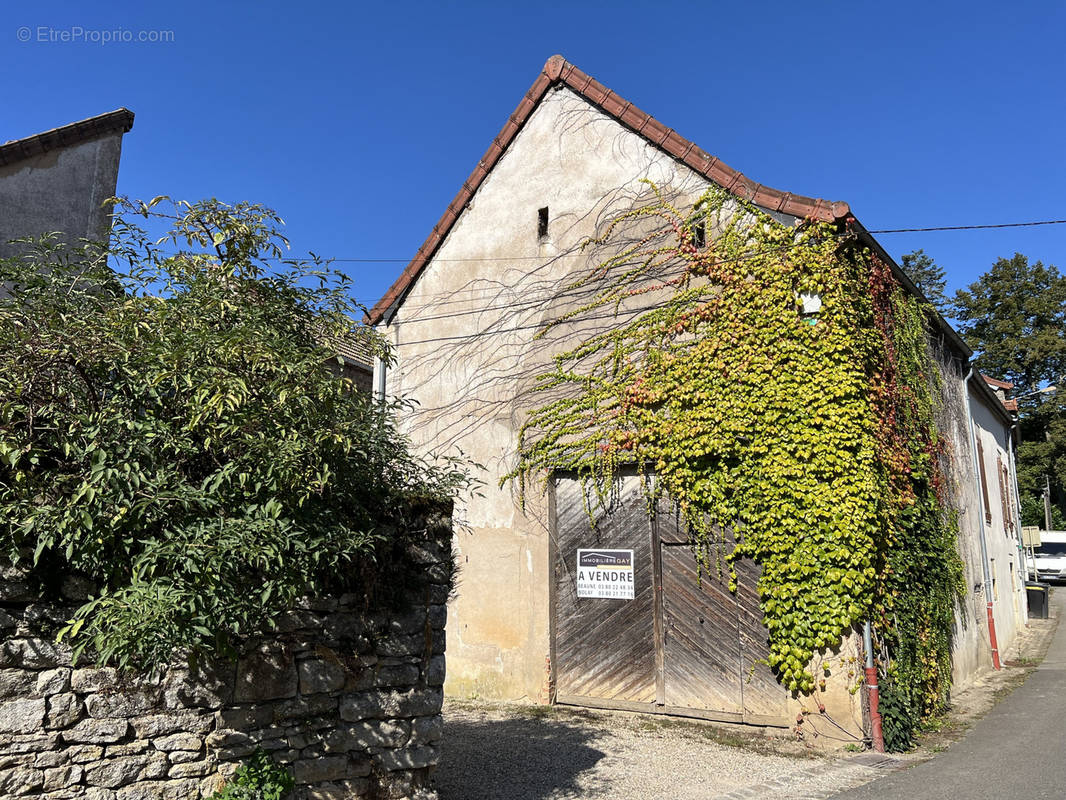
(117, 121)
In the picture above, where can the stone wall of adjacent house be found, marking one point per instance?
(349, 699)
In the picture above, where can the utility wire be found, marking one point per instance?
(974, 227)
(581, 255)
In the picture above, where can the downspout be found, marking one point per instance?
(1018, 513)
(876, 733)
(379, 380)
(981, 527)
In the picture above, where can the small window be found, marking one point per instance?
(542, 223)
(984, 480)
(699, 233)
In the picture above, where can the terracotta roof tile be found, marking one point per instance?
(997, 382)
(557, 71)
(119, 121)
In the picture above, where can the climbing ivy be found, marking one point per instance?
(810, 435)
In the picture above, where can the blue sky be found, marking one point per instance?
(358, 123)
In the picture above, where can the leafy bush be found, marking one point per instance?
(258, 778)
(173, 428)
(898, 720)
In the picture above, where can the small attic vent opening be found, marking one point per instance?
(699, 234)
(542, 223)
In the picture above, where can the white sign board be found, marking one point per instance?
(605, 573)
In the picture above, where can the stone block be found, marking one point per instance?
(55, 758)
(230, 745)
(245, 717)
(363, 736)
(401, 675)
(321, 675)
(421, 702)
(116, 772)
(156, 768)
(267, 673)
(193, 769)
(159, 790)
(97, 731)
(343, 626)
(134, 748)
(15, 585)
(436, 671)
(427, 730)
(21, 781)
(319, 770)
(305, 707)
(184, 756)
(437, 616)
(33, 653)
(401, 644)
(84, 754)
(156, 725)
(408, 758)
(122, 705)
(207, 687)
(62, 777)
(15, 683)
(93, 680)
(53, 681)
(63, 710)
(21, 716)
(178, 741)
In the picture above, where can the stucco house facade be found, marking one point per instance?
(467, 320)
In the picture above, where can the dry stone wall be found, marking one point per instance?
(349, 699)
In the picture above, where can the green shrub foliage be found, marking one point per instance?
(173, 428)
(810, 433)
(258, 778)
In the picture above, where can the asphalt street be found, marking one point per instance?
(1017, 751)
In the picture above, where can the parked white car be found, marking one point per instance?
(1051, 557)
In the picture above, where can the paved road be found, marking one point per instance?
(1017, 751)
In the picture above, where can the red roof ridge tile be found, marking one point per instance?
(557, 70)
(999, 384)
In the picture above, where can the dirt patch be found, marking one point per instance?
(512, 752)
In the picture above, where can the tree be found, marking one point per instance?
(928, 277)
(172, 429)
(1015, 317)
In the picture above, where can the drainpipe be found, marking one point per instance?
(981, 527)
(379, 380)
(876, 734)
(1012, 451)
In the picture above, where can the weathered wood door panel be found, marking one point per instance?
(604, 649)
(702, 658)
(685, 644)
(763, 695)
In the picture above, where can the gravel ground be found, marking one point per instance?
(506, 752)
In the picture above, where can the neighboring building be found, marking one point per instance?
(59, 180)
(992, 509)
(463, 319)
(357, 362)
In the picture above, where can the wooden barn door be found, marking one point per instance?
(683, 645)
(604, 648)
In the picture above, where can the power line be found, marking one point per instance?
(974, 227)
(579, 254)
